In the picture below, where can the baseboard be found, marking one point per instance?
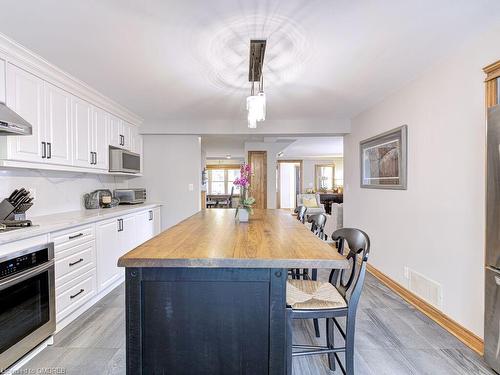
(463, 334)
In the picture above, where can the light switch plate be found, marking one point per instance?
(190, 187)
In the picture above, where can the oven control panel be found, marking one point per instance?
(21, 263)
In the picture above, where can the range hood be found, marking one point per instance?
(11, 123)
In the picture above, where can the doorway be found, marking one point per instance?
(289, 182)
(258, 180)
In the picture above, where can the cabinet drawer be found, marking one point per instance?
(74, 294)
(71, 237)
(74, 260)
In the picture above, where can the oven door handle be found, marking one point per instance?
(26, 275)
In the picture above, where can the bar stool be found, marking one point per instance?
(338, 298)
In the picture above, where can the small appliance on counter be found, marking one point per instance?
(130, 196)
(101, 198)
(13, 210)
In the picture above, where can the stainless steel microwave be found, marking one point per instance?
(124, 161)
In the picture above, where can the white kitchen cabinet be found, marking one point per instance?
(127, 132)
(128, 234)
(2, 81)
(114, 238)
(135, 140)
(82, 132)
(147, 225)
(57, 125)
(116, 131)
(100, 139)
(108, 252)
(25, 96)
(156, 221)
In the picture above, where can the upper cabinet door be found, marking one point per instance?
(116, 131)
(25, 96)
(127, 136)
(82, 133)
(135, 140)
(58, 125)
(101, 138)
(2, 81)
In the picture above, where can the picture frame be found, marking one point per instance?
(383, 160)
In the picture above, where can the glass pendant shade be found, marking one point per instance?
(256, 106)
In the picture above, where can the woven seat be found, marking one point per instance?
(313, 295)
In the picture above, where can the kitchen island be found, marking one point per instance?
(208, 296)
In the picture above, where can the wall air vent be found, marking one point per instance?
(427, 289)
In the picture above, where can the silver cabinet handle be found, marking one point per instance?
(77, 294)
(150, 215)
(44, 150)
(95, 158)
(49, 150)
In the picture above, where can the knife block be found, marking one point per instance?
(6, 210)
(9, 212)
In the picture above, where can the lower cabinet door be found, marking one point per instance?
(128, 235)
(74, 294)
(156, 221)
(108, 250)
(145, 226)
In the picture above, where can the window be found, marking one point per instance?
(220, 181)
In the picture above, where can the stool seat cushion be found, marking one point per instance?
(313, 295)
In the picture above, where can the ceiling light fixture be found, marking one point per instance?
(228, 156)
(256, 104)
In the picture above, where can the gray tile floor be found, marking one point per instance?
(391, 338)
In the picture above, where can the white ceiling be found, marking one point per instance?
(218, 146)
(315, 147)
(180, 62)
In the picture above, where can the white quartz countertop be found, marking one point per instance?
(51, 223)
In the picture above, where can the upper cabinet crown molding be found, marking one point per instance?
(12, 51)
(492, 71)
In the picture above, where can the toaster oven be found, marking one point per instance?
(130, 196)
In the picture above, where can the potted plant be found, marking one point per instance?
(245, 206)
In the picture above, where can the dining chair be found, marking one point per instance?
(318, 222)
(211, 203)
(227, 203)
(301, 213)
(332, 300)
(301, 216)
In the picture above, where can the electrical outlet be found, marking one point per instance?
(191, 187)
(32, 191)
(407, 274)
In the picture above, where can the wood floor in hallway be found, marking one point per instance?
(391, 338)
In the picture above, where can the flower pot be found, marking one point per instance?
(243, 215)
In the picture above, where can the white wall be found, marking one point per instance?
(171, 164)
(272, 149)
(56, 191)
(437, 226)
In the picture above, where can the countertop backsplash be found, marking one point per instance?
(56, 192)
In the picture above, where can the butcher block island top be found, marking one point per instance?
(214, 238)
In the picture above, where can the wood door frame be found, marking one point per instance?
(492, 72)
(278, 178)
(249, 158)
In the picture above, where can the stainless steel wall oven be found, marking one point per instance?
(27, 301)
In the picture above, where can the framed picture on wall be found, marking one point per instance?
(383, 160)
